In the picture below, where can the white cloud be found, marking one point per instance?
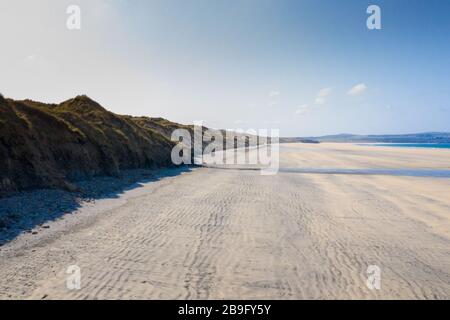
(302, 109)
(357, 90)
(272, 122)
(274, 93)
(31, 58)
(322, 96)
(320, 100)
(325, 92)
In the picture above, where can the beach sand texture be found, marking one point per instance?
(235, 234)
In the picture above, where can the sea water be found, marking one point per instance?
(415, 145)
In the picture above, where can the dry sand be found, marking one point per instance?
(234, 234)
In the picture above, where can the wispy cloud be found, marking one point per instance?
(31, 58)
(357, 90)
(271, 122)
(274, 93)
(322, 95)
(302, 109)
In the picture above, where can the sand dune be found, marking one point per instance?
(234, 234)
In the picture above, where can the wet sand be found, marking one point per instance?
(235, 234)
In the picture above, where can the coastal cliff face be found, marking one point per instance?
(52, 145)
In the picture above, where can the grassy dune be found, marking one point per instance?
(52, 145)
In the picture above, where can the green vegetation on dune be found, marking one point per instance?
(52, 145)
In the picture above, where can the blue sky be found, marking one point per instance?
(239, 64)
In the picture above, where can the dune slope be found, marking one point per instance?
(50, 145)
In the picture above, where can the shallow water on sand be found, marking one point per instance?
(415, 145)
(437, 173)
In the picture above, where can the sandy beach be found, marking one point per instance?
(235, 234)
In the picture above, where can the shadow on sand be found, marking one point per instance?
(27, 212)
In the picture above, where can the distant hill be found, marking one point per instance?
(426, 137)
(297, 140)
